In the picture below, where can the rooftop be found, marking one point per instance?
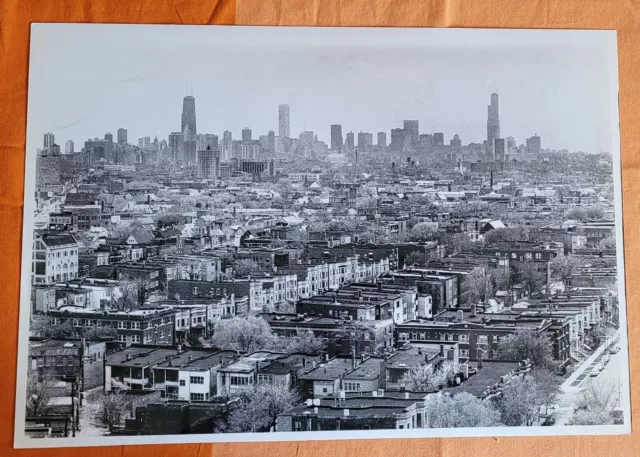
(484, 378)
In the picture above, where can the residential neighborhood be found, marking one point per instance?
(209, 283)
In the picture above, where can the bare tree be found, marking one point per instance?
(600, 395)
(461, 410)
(256, 409)
(38, 395)
(424, 379)
(304, 341)
(245, 267)
(520, 402)
(548, 386)
(113, 407)
(248, 334)
(527, 344)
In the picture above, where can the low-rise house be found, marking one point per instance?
(243, 373)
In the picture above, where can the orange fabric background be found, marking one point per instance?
(15, 17)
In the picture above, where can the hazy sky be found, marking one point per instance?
(88, 80)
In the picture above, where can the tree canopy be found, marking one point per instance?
(528, 344)
(460, 410)
(244, 334)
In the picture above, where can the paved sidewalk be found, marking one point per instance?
(581, 373)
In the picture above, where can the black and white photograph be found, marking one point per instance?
(275, 233)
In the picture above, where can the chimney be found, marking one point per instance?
(406, 395)
(179, 349)
(346, 412)
(128, 356)
(315, 410)
(309, 402)
(441, 354)
(380, 392)
(474, 310)
(354, 361)
(460, 315)
(374, 393)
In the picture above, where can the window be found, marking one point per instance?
(422, 337)
(464, 352)
(352, 386)
(197, 397)
(483, 339)
(196, 380)
(183, 383)
(463, 338)
(196, 290)
(135, 326)
(77, 323)
(538, 255)
(513, 255)
(239, 381)
(55, 321)
(135, 338)
(122, 338)
(88, 323)
(122, 325)
(147, 339)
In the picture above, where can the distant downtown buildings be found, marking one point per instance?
(183, 146)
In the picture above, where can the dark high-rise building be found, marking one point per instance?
(209, 163)
(176, 146)
(533, 144)
(246, 134)
(412, 132)
(122, 136)
(211, 141)
(493, 123)
(271, 142)
(284, 121)
(49, 140)
(336, 137)
(397, 139)
(350, 142)
(189, 130)
(108, 137)
(382, 139)
(455, 142)
(499, 147)
(438, 139)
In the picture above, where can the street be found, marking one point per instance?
(581, 379)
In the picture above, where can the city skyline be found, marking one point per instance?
(556, 106)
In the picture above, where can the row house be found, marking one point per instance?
(475, 339)
(146, 326)
(54, 258)
(264, 292)
(443, 288)
(242, 374)
(89, 293)
(412, 305)
(524, 250)
(57, 360)
(177, 374)
(376, 410)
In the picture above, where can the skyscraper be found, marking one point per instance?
(108, 137)
(271, 142)
(68, 147)
(211, 141)
(189, 130)
(382, 139)
(350, 142)
(209, 163)
(336, 137)
(284, 121)
(122, 136)
(455, 142)
(499, 147)
(493, 123)
(412, 132)
(49, 140)
(176, 146)
(533, 144)
(246, 134)
(397, 139)
(438, 139)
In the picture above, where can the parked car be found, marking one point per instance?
(599, 366)
(606, 359)
(614, 350)
(551, 420)
(594, 373)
